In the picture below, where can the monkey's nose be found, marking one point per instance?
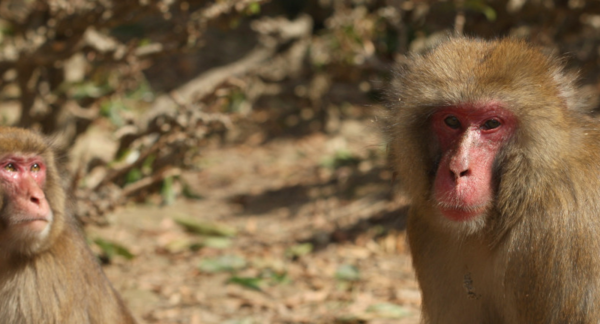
(36, 197)
(35, 200)
(456, 175)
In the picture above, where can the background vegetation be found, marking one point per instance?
(239, 136)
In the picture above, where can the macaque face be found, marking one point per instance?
(470, 137)
(26, 214)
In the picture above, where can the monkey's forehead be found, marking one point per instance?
(470, 68)
(472, 57)
(19, 140)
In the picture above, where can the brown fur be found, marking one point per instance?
(55, 279)
(534, 258)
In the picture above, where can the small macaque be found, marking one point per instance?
(500, 156)
(47, 272)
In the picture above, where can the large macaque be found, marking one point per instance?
(492, 142)
(47, 272)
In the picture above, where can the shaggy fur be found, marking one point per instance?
(534, 257)
(52, 277)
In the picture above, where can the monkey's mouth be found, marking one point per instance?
(29, 220)
(459, 213)
(36, 224)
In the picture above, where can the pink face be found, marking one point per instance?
(470, 136)
(22, 178)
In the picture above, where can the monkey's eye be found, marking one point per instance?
(10, 167)
(35, 167)
(452, 122)
(491, 124)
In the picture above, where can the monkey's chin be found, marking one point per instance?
(35, 225)
(462, 222)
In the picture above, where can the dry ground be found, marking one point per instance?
(278, 197)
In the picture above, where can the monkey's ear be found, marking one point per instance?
(575, 97)
(585, 100)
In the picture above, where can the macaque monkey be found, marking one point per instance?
(47, 272)
(493, 143)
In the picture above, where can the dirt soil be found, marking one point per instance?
(319, 238)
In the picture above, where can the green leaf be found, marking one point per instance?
(347, 272)
(110, 249)
(480, 6)
(279, 278)
(253, 9)
(133, 175)
(246, 282)
(90, 90)
(144, 41)
(167, 191)
(179, 245)
(196, 246)
(217, 242)
(341, 158)
(147, 164)
(489, 13)
(223, 263)
(299, 250)
(204, 228)
(236, 98)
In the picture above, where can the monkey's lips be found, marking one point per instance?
(461, 213)
(463, 199)
(37, 224)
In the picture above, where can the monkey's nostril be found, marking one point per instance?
(34, 200)
(459, 175)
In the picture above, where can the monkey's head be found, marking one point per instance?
(472, 121)
(32, 199)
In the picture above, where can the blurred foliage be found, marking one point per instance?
(347, 272)
(204, 228)
(299, 250)
(132, 91)
(247, 282)
(224, 263)
(111, 249)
